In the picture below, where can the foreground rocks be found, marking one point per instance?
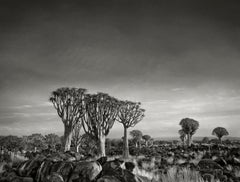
(50, 169)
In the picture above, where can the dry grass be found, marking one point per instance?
(173, 175)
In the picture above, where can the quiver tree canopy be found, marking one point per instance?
(189, 126)
(130, 113)
(69, 103)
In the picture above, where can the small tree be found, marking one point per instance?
(189, 126)
(205, 140)
(220, 132)
(70, 106)
(129, 115)
(102, 111)
(146, 138)
(36, 142)
(137, 136)
(88, 145)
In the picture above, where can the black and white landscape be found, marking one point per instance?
(120, 90)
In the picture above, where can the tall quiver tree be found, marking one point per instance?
(101, 114)
(220, 132)
(70, 106)
(129, 115)
(189, 127)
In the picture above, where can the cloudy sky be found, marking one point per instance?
(178, 58)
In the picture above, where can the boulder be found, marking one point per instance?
(44, 171)
(208, 164)
(62, 168)
(29, 168)
(85, 171)
(108, 179)
(208, 177)
(55, 177)
(220, 161)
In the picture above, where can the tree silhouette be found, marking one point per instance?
(129, 115)
(189, 127)
(70, 106)
(101, 114)
(220, 132)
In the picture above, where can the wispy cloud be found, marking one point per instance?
(30, 106)
(21, 107)
(25, 115)
(177, 89)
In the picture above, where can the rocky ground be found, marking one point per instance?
(219, 164)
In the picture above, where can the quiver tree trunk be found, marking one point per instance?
(67, 138)
(220, 140)
(102, 151)
(125, 143)
(189, 140)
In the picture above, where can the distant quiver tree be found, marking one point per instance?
(189, 127)
(137, 137)
(220, 132)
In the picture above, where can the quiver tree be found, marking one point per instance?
(101, 114)
(70, 106)
(220, 132)
(189, 127)
(137, 137)
(129, 115)
(205, 140)
(146, 138)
